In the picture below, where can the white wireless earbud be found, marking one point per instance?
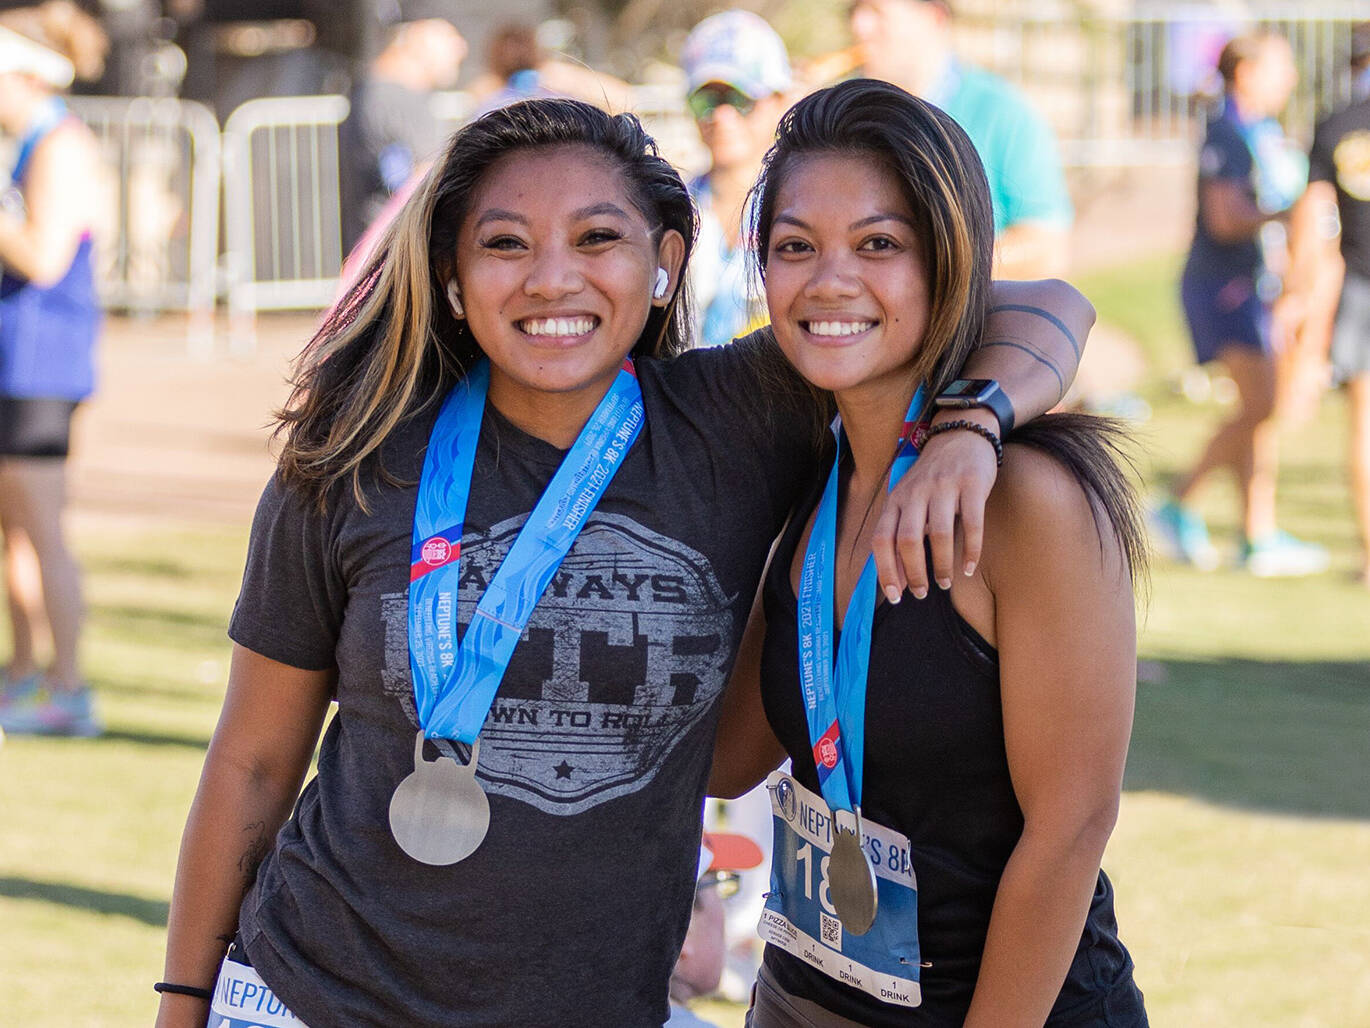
(454, 299)
(663, 279)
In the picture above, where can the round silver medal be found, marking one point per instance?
(851, 879)
(439, 814)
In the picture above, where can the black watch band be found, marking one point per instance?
(965, 393)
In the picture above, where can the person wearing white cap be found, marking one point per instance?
(49, 321)
(738, 79)
(699, 968)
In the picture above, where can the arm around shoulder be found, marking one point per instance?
(1034, 336)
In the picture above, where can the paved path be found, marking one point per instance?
(173, 437)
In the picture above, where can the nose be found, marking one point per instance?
(833, 279)
(724, 116)
(863, 23)
(553, 274)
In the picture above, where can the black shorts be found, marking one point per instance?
(35, 426)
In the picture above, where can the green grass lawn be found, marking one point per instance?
(1240, 857)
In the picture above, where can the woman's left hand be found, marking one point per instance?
(951, 479)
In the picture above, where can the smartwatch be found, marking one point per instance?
(978, 392)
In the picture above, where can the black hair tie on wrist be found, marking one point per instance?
(183, 990)
(961, 424)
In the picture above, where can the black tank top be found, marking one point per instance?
(937, 771)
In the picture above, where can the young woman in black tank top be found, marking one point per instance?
(997, 710)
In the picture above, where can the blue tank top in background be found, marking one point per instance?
(48, 333)
(1258, 155)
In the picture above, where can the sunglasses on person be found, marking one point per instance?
(707, 99)
(726, 882)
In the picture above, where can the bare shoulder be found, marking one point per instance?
(71, 140)
(1036, 493)
(1040, 516)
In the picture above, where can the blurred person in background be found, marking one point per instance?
(737, 75)
(909, 43)
(1336, 207)
(738, 80)
(390, 130)
(1249, 176)
(518, 67)
(699, 968)
(512, 61)
(49, 322)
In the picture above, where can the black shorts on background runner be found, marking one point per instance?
(35, 426)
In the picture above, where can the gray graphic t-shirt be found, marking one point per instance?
(596, 750)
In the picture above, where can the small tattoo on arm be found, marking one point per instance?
(1040, 358)
(1024, 308)
(256, 851)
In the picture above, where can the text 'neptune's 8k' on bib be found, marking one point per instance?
(799, 916)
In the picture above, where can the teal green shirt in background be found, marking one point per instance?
(1015, 144)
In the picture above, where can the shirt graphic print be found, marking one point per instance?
(626, 651)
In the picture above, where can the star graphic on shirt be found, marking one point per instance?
(563, 769)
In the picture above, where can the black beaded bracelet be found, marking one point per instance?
(183, 990)
(969, 426)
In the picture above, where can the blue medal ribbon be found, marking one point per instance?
(454, 685)
(835, 692)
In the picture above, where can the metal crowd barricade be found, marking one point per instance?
(1134, 90)
(159, 248)
(281, 205)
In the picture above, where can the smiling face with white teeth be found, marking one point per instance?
(846, 283)
(556, 268)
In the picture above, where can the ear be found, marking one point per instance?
(670, 254)
(454, 299)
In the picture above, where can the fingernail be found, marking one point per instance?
(920, 591)
(944, 584)
(892, 594)
(970, 568)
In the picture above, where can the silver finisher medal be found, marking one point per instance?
(851, 879)
(439, 814)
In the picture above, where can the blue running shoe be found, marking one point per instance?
(1182, 536)
(19, 690)
(1281, 555)
(52, 712)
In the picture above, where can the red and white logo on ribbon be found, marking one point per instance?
(436, 551)
(827, 752)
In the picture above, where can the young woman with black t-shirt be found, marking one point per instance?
(543, 874)
(957, 774)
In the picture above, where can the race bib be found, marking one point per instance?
(799, 916)
(243, 1000)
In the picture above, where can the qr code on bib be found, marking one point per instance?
(831, 929)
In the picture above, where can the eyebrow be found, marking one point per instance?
(882, 216)
(790, 219)
(599, 208)
(500, 214)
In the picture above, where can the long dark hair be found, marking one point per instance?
(937, 169)
(392, 345)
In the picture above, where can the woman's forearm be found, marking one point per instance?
(232, 822)
(1039, 914)
(1033, 339)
